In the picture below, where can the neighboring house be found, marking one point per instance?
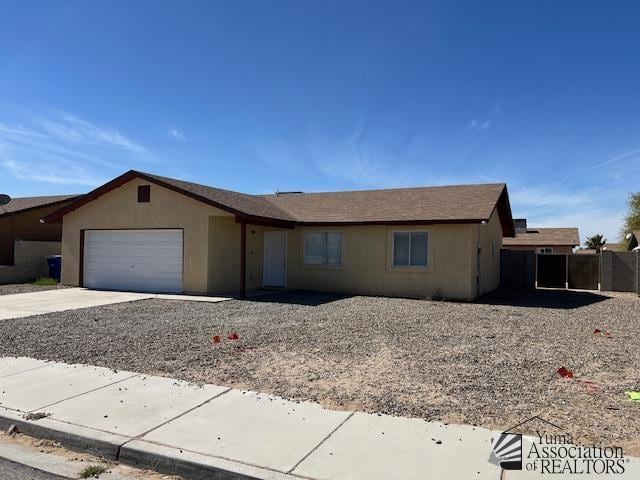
(542, 240)
(20, 220)
(149, 233)
(615, 247)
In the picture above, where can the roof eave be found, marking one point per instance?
(504, 212)
(56, 217)
(44, 205)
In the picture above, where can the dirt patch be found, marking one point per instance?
(491, 363)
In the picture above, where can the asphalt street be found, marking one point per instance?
(15, 471)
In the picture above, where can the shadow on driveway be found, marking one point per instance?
(541, 298)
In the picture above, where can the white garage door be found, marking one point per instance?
(138, 260)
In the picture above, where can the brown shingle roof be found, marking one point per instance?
(545, 237)
(27, 203)
(240, 202)
(433, 204)
(462, 203)
(616, 247)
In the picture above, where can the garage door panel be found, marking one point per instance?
(140, 260)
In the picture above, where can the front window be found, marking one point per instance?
(323, 248)
(410, 249)
(545, 250)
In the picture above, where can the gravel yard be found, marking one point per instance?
(26, 288)
(490, 363)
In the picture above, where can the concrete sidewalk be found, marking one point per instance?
(36, 303)
(217, 432)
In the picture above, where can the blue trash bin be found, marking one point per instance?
(55, 266)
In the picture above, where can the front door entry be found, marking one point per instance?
(275, 259)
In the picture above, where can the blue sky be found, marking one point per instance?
(328, 95)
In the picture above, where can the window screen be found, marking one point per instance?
(323, 248)
(410, 249)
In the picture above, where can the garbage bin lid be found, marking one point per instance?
(54, 256)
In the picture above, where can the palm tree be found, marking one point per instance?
(596, 242)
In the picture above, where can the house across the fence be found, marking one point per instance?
(542, 240)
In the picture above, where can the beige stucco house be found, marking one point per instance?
(542, 240)
(148, 233)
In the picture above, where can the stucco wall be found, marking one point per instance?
(368, 269)
(490, 237)
(30, 261)
(224, 255)
(119, 209)
(26, 226)
(367, 261)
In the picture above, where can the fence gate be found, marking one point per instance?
(620, 271)
(551, 270)
(517, 269)
(584, 271)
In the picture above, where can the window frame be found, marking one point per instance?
(426, 267)
(322, 265)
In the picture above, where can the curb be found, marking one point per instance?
(137, 453)
(191, 465)
(72, 436)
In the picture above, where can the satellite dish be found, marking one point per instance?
(4, 199)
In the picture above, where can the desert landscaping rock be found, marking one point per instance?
(489, 363)
(12, 289)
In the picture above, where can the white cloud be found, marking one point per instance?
(49, 174)
(71, 129)
(592, 210)
(362, 163)
(546, 197)
(478, 125)
(64, 149)
(176, 134)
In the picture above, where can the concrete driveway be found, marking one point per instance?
(36, 303)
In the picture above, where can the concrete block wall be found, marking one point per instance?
(30, 261)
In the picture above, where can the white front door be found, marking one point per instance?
(275, 259)
(138, 260)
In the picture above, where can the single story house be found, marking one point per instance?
(586, 251)
(145, 232)
(542, 240)
(615, 247)
(20, 220)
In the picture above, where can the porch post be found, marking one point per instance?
(243, 259)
